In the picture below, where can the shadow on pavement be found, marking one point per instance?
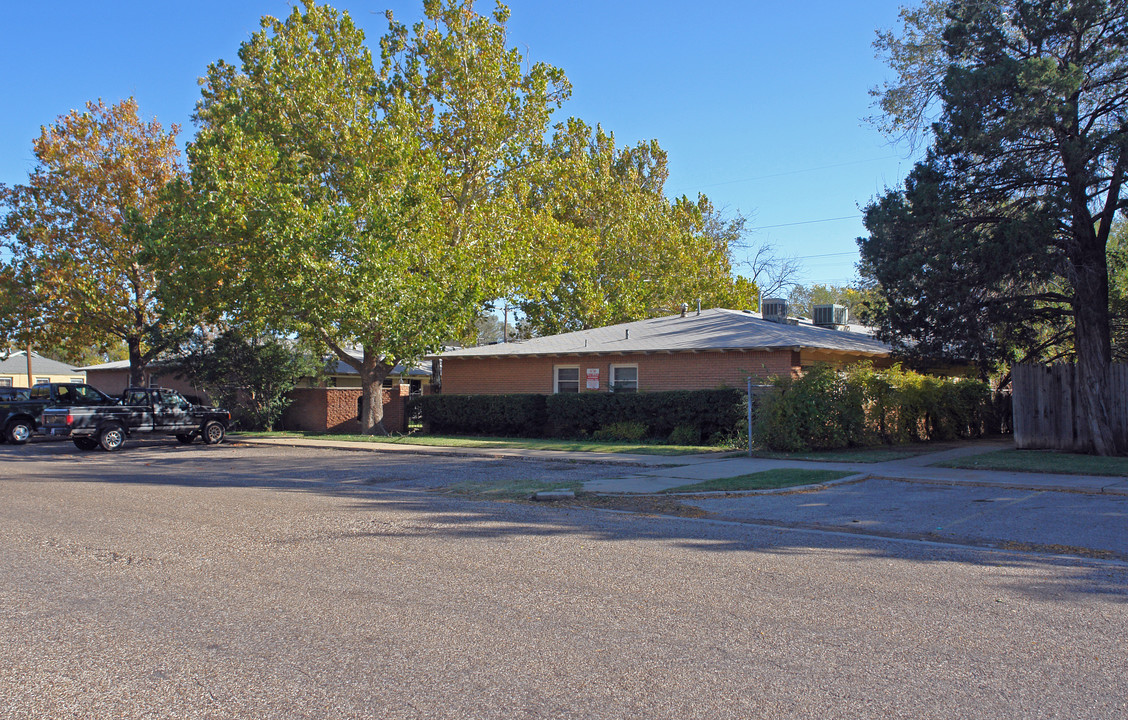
(407, 484)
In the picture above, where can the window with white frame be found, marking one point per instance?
(40, 381)
(5, 382)
(566, 379)
(624, 378)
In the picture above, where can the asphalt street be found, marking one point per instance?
(1063, 522)
(256, 582)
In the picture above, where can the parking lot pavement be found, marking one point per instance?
(238, 582)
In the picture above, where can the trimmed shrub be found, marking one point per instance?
(827, 408)
(685, 435)
(627, 431)
(702, 414)
(504, 415)
(709, 411)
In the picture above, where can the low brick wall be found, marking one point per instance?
(336, 410)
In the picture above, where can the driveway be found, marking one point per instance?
(240, 582)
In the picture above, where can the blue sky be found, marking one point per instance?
(760, 105)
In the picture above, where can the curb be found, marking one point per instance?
(858, 477)
(1007, 485)
(506, 453)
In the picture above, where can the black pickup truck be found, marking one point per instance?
(20, 418)
(157, 411)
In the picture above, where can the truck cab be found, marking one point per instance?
(169, 411)
(19, 418)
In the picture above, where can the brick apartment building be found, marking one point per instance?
(692, 351)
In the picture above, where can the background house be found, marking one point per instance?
(692, 351)
(13, 371)
(112, 378)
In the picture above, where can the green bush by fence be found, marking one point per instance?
(703, 415)
(828, 408)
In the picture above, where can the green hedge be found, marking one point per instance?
(828, 408)
(698, 415)
(709, 412)
(503, 415)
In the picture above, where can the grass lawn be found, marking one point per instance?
(492, 442)
(766, 480)
(1042, 461)
(508, 489)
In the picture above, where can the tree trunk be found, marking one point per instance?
(136, 364)
(372, 407)
(372, 370)
(1094, 352)
(1092, 341)
(372, 374)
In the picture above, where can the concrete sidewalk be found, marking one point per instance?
(914, 469)
(655, 473)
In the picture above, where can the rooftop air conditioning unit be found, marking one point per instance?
(830, 315)
(774, 309)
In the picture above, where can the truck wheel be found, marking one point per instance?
(111, 437)
(19, 431)
(214, 432)
(185, 439)
(85, 443)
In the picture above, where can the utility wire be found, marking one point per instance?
(796, 172)
(809, 257)
(806, 222)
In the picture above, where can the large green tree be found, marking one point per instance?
(82, 270)
(612, 247)
(357, 205)
(998, 241)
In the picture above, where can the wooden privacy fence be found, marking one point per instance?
(1047, 411)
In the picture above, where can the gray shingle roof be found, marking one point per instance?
(336, 366)
(113, 365)
(715, 329)
(17, 363)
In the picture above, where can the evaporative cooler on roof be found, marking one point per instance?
(774, 309)
(830, 315)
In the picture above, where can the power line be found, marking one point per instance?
(810, 257)
(806, 222)
(796, 172)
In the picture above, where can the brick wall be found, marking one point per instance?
(656, 372)
(336, 410)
